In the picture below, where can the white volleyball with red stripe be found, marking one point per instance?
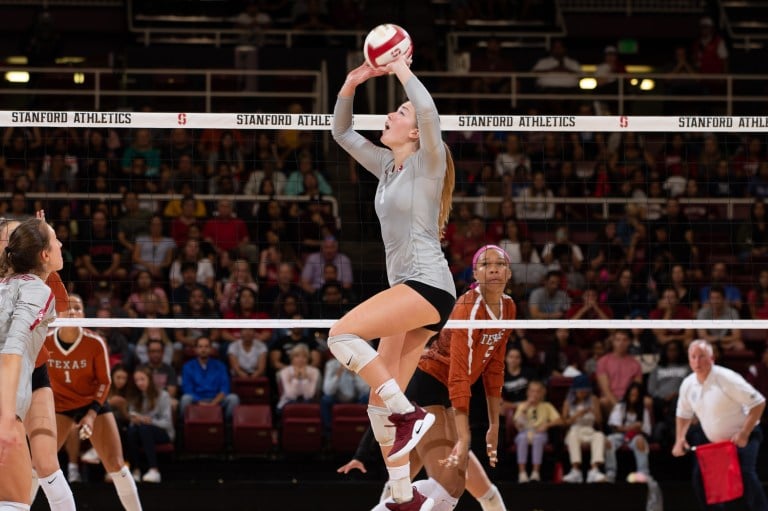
(385, 43)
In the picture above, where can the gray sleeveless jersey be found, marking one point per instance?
(26, 309)
(407, 199)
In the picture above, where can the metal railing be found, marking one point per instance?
(100, 83)
(630, 7)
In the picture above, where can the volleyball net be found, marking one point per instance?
(588, 197)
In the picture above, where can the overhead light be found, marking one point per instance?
(588, 68)
(17, 60)
(69, 60)
(647, 84)
(78, 78)
(17, 76)
(633, 82)
(587, 83)
(638, 68)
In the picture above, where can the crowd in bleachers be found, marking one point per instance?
(235, 257)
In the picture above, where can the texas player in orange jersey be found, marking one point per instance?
(40, 422)
(442, 381)
(80, 377)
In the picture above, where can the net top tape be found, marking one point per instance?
(279, 121)
(528, 324)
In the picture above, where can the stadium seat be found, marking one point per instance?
(252, 391)
(204, 429)
(738, 361)
(302, 428)
(252, 429)
(557, 390)
(348, 425)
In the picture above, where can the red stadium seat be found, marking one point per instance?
(557, 390)
(738, 361)
(252, 391)
(204, 429)
(348, 425)
(252, 429)
(302, 428)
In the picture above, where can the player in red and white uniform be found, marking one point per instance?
(80, 377)
(442, 382)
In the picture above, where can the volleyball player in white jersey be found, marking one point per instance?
(26, 309)
(40, 422)
(416, 178)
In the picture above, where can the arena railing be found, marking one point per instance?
(99, 85)
(207, 85)
(634, 6)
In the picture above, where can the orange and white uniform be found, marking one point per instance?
(458, 357)
(61, 298)
(80, 374)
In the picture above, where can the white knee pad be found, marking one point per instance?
(351, 351)
(383, 429)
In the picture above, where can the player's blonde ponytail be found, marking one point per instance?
(446, 199)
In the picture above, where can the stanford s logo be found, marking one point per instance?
(182, 119)
(623, 121)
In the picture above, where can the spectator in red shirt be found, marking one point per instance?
(227, 233)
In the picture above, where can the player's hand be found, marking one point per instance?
(406, 58)
(363, 72)
(351, 465)
(85, 428)
(459, 456)
(40, 214)
(492, 444)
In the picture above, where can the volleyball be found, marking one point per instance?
(385, 43)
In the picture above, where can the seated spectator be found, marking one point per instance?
(670, 308)
(299, 381)
(240, 276)
(181, 292)
(752, 236)
(511, 243)
(629, 424)
(717, 308)
(248, 355)
(616, 371)
(686, 294)
(153, 252)
(312, 274)
(228, 151)
(122, 381)
(189, 214)
(757, 298)
(144, 290)
(562, 245)
(597, 351)
(190, 253)
(563, 356)
(163, 374)
(287, 284)
(560, 71)
(581, 414)
(533, 418)
(205, 381)
(663, 385)
(198, 307)
(154, 334)
(151, 423)
(516, 379)
(340, 385)
(133, 222)
(279, 350)
(270, 259)
(549, 301)
(526, 274)
(254, 184)
(295, 183)
(625, 298)
(245, 308)
(142, 147)
(719, 276)
(543, 208)
(98, 253)
(227, 233)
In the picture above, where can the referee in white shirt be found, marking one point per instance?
(728, 408)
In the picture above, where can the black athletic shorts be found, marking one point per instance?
(40, 377)
(78, 413)
(441, 300)
(426, 390)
